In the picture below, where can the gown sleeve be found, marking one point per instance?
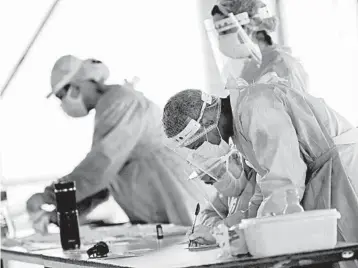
(108, 155)
(268, 127)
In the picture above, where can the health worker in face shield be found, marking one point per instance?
(293, 141)
(241, 24)
(219, 165)
(127, 156)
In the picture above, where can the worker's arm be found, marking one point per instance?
(86, 206)
(126, 119)
(255, 201)
(209, 217)
(268, 127)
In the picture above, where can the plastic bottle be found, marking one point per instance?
(7, 225)
(292, 202)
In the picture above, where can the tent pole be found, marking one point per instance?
(29, 46)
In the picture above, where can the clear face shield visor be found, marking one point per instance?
(230, 44)
(219, 165)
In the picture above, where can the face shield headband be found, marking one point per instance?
(194, 130)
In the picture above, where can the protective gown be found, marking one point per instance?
(296, 140)
(128, 157)
(278, 59)
(275, 59)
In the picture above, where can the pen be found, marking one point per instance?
(197, 210)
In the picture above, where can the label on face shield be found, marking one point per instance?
(233, 204)
(206, 98)
(243, 18)
(263, 13)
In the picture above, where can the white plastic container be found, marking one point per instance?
(292, 233)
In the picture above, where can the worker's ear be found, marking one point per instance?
(74, 91)
(101, 87)
(209, 117)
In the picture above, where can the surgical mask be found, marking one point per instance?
(231, 47)
(208, 155)
(237, 44)
(223, 164)
(74, 107)
(210, 150)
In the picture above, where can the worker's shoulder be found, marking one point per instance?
(116, 92)
(113, 100)
(284, 57)
(123, 95)
(263, 96)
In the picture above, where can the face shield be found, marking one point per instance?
(217, 164)
(231, 46)
(233, 41)
(258, 19)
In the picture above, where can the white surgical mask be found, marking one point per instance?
(230, 46)
(209, 150)
(236, 44)
(219, 163)
(74, 107)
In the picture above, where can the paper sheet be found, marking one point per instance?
(123, 234)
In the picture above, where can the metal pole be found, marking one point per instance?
(281, 27)
(29, 46)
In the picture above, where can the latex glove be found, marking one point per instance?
(40, 221)
(202, 235)
(235, 218)
(35, 202)
(272, 205)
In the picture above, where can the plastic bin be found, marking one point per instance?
(292, 233)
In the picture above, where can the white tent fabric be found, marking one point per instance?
(153, 40)
(160, 42)
(324, 34)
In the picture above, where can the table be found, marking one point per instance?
(172, 253)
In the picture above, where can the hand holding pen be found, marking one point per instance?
(197, 210)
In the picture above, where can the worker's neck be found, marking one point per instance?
(263, 45)
(95, 98)
(226, 119)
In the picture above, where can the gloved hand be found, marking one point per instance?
(202, 235)
(35, 202)
(272, 205)
(235, 218)
(40, 219)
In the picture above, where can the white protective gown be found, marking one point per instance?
(296, 139)
(278, 59)
(129, 158)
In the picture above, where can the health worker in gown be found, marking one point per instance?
(244, 28)
(128, 158)
(293, 140)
